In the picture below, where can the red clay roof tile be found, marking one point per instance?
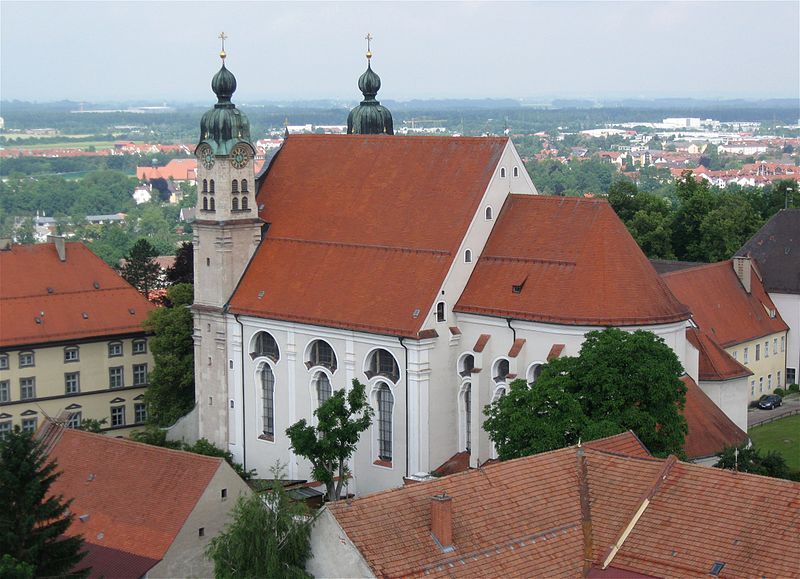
(710, 429)
(575, 262)
(715, 363)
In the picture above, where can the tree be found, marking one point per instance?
(749, 459)
(619, 381)
(182, 271)
(340, 421)
(171, 391)
(696, 201)
(32, 521)
(269, 536)
(140, 269)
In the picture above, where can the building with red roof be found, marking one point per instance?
(142, 510)
(71, 339)
(579, 511)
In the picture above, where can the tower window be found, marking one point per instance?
(440, 312)
(503, 172)
(234, 204)
(516, 172)
(205, 185)
(245, 206)
(244, 185)
(211, 204)
(211, 186)
(234, 186)
(205, 203)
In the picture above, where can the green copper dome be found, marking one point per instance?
(369, 117)
(224, 126)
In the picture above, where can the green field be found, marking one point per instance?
(67, 144)
(782, 435)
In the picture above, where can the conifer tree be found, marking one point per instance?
(140, 269)
(32, 521)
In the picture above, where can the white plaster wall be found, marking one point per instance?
(732, 396)
(692, 364)
(789, 307)
(334, 555)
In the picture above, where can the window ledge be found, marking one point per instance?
(267, 437)
(383, 463)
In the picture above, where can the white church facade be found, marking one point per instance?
(428, 268)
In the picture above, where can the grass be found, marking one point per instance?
(781, 435)
(66, 144)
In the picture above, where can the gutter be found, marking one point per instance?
(244, 436)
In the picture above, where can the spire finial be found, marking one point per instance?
(222, 54)
(368, 38)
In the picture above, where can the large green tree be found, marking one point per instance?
(269, 536)
(171, 391)
(340, 421)
(182, 271)
(140, 269)
(619, 381)
(33, 521)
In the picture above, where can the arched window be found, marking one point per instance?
(533, 373)
(500, 370)
(488, 214)
(502, 172)
(268, 401)
(322, 385)
(466, 405)
(211, 205)
(468, 256)
(466, 365)
(205, 185)
(205, 203)
(385, 406)
(244, 204)
(244, 185)
(211, 186)
(265, 345)
(320, 353)
(235, 204)
(382, 363)
(516, 172)
(440, 312)
(499, 393)
(234, 186)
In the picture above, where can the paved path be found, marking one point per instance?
(756, 416)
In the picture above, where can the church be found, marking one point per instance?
(428, 268)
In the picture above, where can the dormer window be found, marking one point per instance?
(468, 256)
(382, 363)
(488, 213)
(320, 353)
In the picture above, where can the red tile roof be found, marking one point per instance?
(83, 284)
(523, 518)
(516, 347)
(715, 363)
(175, 169)
(114, 563)
(483, 339)
(555, 351)
(721, 306)
(137, 497)
(710, 429)
(363, 229)
(576, 264)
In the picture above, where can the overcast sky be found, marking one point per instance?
(167, 51)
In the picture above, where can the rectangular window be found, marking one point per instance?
(758, 352)
(140, 346)
(26, 360)
(27, 388)
(139, 374)
(761, 384)
(72, 382)
(29, 424)
(783, 343)
(75, 419)
(769, 382)
(790, 376)
(139, 413)
(118, 415)
(774, 345)
(116, 377)
(766, 349)
(71, 354)
(5, 390)
(5, 429)
(3, 361)
(735, 355)
(746, 355)
(778, 385)
(752, 388)
(114, 349)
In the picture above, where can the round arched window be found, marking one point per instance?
(320, 353)
(265, 345)
(382, 363)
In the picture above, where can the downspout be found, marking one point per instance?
(244, 436)
(513, 330)
(406, 404)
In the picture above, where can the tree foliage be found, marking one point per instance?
(340, 421)
(749, 459)
(140, 269)
(32, 521)
(182, 271)
(269, 536)
(171, 391)
(619, 381)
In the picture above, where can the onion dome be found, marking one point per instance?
(224, 126)
(369, 117)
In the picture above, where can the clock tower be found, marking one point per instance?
(227, 231)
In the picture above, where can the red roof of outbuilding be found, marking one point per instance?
(80, 297)
(710, 429)
(363, 228)
(576, 264)
(715, 363)
(721, 306)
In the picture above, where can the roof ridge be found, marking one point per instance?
(696, 268)
(360, 245)
(503, 258)
(68, 293)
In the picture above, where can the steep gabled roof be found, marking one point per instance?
(81, 297)
(715, 363)
(710, 429)
(566, 260)
(776, 250)
(136, 497)
(363, 228)
(523, 518)
(721, 306)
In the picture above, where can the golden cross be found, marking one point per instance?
(368, 38)
(222, 37)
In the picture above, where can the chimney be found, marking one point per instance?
(442, 521)
(61, 247)
(741, 265)
(5, 244)
(586, 512)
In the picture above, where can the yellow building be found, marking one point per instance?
(71, 339)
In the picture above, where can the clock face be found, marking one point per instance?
(206, 157)
(239, 156)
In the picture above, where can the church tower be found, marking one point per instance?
(369, 117)
(227, 231)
